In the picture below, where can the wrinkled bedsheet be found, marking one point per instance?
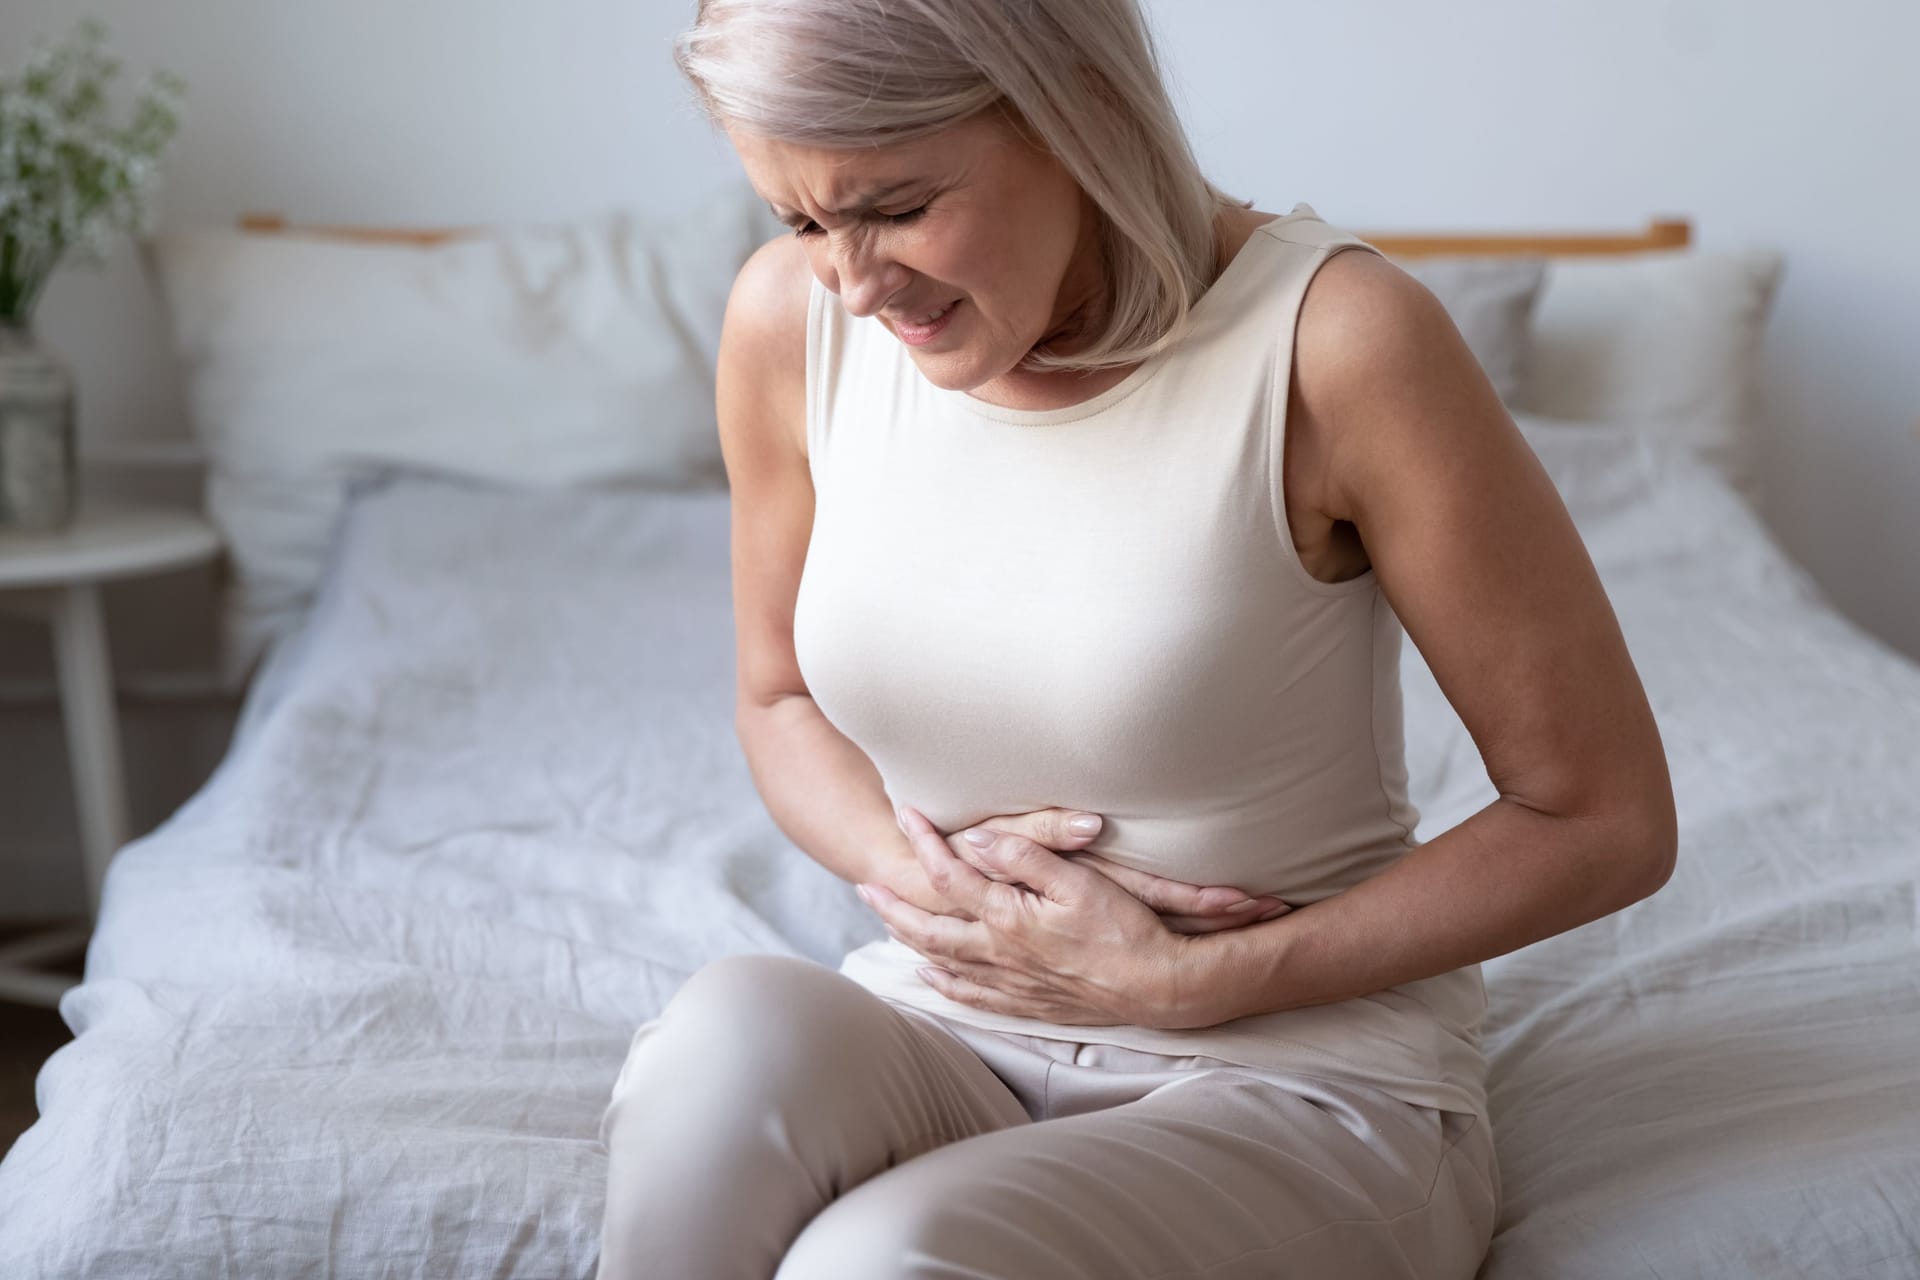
(356, 1008)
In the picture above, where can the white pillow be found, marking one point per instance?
(1667, 341)
(1491, 300)
(578, 354)
(1600, 469)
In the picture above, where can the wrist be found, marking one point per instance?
(882, 851)
(1211, 978)
(881, 860)
(1183, 993)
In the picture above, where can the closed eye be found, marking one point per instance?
(809, 229)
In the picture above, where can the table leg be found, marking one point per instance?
(93, 732)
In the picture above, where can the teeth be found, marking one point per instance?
(931, 317)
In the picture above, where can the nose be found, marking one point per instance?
(866, 280)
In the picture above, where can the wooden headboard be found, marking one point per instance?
(273, 223)
(1660, 233)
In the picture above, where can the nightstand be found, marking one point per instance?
(56, 576)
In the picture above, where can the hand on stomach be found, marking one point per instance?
(1182, 907)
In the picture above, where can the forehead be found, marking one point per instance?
(793, 177)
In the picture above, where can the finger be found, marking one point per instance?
(999, 978)
(953, 879)
(968, 853)
(965, 991)
(1219, 923)
(1062, 828)
(1195, 924)
(933, 936)
(935, 904)
(1175, 896)
(1038, 867)
(1156, 891)
(1051, 827)
(960, 848)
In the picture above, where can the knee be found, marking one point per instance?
(754, 1007)
(867, 1234)
(744, 1026)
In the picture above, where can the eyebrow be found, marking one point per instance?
(865, 202)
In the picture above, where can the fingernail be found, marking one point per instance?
(1247, 905)
(979, 837)
(1085, 824)
(1271, 912)
(865, 895)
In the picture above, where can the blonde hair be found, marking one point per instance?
(1080, 78)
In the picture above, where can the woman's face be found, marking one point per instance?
(972, 218)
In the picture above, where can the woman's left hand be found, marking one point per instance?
(1065, 944)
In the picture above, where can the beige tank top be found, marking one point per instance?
(1101, 607)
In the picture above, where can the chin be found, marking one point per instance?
(950, 371)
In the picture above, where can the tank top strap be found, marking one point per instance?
(1305, 227)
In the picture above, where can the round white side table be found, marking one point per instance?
(56, 577)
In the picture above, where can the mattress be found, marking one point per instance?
(355, 1009)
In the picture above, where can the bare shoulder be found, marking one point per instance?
(762, 371)
(1371, 340)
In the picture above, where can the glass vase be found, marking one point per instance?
(39, 464)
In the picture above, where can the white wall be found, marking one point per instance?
(1767, 123)
(1764, 122)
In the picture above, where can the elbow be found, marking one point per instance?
(1655, 840)
(1631, 849)
(1662, 860)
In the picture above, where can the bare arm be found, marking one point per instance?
(825, 794)
(1481, 562)
(820, 789)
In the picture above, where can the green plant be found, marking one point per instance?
(68, 176)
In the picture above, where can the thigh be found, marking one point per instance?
(1220, 1175)
(767, 1086)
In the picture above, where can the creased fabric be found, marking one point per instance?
(356, 1009)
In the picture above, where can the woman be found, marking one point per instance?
(1103, 510)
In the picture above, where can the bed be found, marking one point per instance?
(355, 1009)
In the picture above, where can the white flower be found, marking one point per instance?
(68, 176)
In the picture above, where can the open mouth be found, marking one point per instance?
(915, 335)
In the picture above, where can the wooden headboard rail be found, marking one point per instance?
(1660, 233)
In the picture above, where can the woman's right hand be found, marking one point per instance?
(1182, 907)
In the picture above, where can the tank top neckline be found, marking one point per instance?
(1142, 372)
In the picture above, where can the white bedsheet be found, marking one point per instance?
(1724, 1079)
(356, 1008)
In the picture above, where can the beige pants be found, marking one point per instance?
(780, 1120)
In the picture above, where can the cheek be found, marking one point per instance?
(979, 257)
(971, 270)
(1001, 282)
